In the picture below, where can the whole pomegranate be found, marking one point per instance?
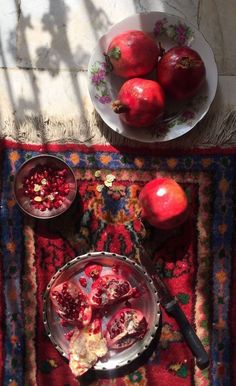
(133, 53)
(181, 72)
(164, 203)
(140, 102)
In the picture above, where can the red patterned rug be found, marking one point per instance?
(195, 260)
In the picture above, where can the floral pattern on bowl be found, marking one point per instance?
(98, 74)
(180, 33)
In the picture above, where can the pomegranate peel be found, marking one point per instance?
(86, 347)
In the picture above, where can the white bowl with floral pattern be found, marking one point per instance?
(180, 117)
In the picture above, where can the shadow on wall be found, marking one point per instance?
(98, 19)
(9, 88)
(58, 54)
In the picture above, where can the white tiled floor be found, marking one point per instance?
(46, 45)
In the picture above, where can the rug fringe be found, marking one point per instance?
(217, 128)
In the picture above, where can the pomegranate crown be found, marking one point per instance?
(114, 53)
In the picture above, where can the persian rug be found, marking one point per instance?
(196, 260)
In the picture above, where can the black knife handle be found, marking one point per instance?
(189, 334)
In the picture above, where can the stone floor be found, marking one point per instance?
(45, 46)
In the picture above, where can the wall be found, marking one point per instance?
(45, 46)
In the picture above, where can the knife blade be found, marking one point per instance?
(170, 304)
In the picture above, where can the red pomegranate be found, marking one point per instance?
(109, 289)
(164, 203)
(140, 102)
(181, 72)
(133, 53)
(71, 303)
(125, 327)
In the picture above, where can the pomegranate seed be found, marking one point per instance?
(136, 293)
(37, 198)
(45, 183)
(115, 268)
(97, 300)
(37, 187)
(83, 282)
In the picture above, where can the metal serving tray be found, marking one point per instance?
(148, 303)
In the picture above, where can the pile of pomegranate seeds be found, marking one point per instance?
(46, 187)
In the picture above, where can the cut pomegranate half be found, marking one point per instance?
(125, 327)
(71, 303)
(109, 289)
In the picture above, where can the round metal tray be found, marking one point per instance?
(148, 303)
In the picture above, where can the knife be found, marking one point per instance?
(170, 304)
